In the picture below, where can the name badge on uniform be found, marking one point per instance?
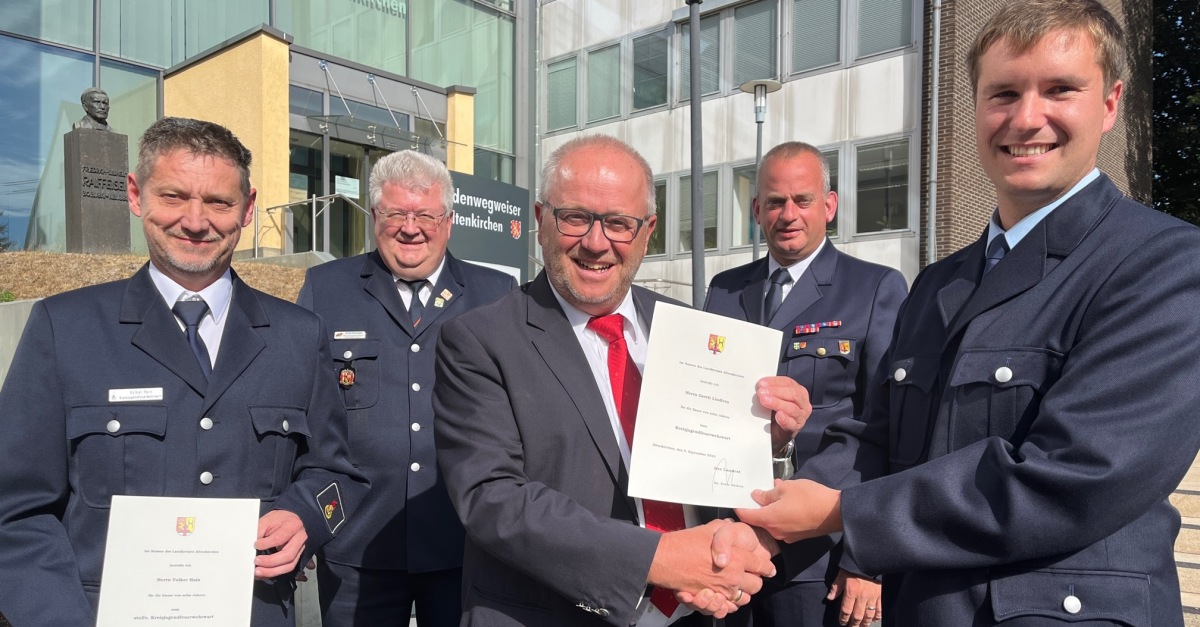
(349, 335)
(131, 395)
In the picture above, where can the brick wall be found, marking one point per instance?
(965, 197)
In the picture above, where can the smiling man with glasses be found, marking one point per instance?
(384, 310)
(535, 404)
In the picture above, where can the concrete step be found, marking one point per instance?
(1187, 502)
(1189, 536)
(1191, 609)
(1189, 572)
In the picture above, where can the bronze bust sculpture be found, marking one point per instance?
(95, 106)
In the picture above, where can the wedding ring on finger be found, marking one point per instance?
(739, 595)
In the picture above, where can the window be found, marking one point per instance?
(709, 184)
(882, 187)
(743, 198)
(604, 83)
(650, 70)
(816, 34)
(710, 57)
(831, 157)
(883, 25)
(658, 239)
(494, 165)
(562, 92)
(754, 41)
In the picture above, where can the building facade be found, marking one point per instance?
(317, 89)
(857, 83)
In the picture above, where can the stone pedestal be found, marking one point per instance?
(96, 163)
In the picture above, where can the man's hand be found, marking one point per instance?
(861, 604)
(684, 563)
(789, 402)
(795, 510)
(283, 531)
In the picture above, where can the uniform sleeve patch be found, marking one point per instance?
(330, 501)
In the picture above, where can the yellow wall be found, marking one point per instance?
(244, 88)
(460, 131)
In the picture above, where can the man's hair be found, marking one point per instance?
(552, 168)
(789, 150)
(87, 93)
(1021, 24)
(411, 170)
(200, 138)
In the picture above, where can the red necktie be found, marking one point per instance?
(626, 385)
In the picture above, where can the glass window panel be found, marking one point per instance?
(883, 25)
(604, 83)
(882, 187)
(561, 93)
(831, 158)
(754, 41)
(136, 30)
(743, 213)
(371, 33)
(207, 23)
(480, 55)
(494, 165)
(133, 92)
(710, 56)
(816, 34)
(709, 184)
(304, 102)
(39, 95)
(60, 21)
(658, 239)
(650, 70)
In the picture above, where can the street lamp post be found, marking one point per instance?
(760, 88)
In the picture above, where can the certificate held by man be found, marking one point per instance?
(179, 561)
(701, 438)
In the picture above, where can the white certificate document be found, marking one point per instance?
(701, 438)
(179, 561)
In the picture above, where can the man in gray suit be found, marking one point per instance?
(535, 400)
(836, 313)
(180, 381)
(1038, 405)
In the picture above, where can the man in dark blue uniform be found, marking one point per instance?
(383, 311)
(1038, 402)
(180, 381)
(836, 313)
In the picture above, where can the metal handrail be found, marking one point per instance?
(316, 213)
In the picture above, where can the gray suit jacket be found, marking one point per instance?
(534, 470)
(277, 433)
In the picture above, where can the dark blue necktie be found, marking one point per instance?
(415, 307)
(779, 278)
(191, 312)
(995, 252)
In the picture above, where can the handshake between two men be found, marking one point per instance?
(740, 553)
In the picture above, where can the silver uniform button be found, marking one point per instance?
(415, 466)
(286, 426)
(416, 426)
(206, 477)
(602, 612)
(416, 348)
(206, 423)
(1003, 374)
(900, 374)
(1072, 604)
(416, 387)
(347, 354)
(113, 426)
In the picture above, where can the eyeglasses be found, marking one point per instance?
(578, 222)
(400, 218)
